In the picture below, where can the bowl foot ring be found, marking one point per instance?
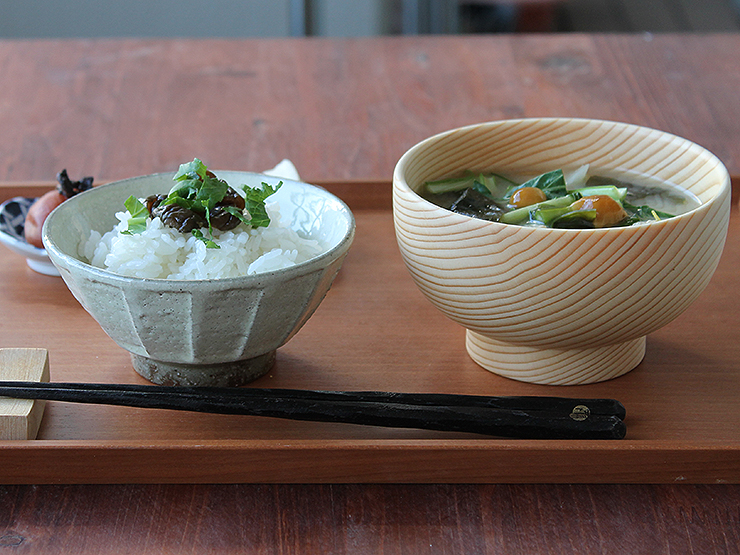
(555, 366)
(226, 374)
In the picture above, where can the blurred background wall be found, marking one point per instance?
(274, 18)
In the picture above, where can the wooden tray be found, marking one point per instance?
(375, 331)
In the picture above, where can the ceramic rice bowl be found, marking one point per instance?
(560, 306)
(216, 332)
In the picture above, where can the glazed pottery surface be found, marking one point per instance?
(200, 332)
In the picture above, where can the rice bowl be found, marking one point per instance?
(215, 331)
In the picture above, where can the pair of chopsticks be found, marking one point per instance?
(513, 417)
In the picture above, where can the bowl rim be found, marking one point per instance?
(21, 246)
(341, 247)
(400, 181)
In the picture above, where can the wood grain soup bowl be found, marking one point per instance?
(215, 332)
(560, 306)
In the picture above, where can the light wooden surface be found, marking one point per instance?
(345, 110)
(20, 418)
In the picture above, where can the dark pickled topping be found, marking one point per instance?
(200, 200)
(181, 219)
(153, 201)
(232, 198)
(186, 220)
(223, 220)
(70, 188)
(173, 215)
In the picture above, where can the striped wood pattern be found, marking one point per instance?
(560, 306)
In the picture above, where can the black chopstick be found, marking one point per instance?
(556, 406)
(516, 417)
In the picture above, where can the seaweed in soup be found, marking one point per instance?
(552, 199)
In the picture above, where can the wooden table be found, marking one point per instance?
(344, 111)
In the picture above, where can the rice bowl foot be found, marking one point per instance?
(225, 374)
(572, 366)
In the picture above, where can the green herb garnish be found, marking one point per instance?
(191, 170)
(139, 215)
(198, 234)
(196, 194)
(196, 190)
(234, 211)
(255, 199)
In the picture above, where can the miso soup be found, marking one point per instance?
(558, 199)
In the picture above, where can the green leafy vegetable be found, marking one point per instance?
(196, 195)
(198, 234)
(522, 215)
(574, 219)
(617, 193)
(450, 185)
(234, 211)
(255, 198)
(499, 187)
(551, 183)
(489, 196)
(139, 215)
(643, 214)
(191, 170)
(490, 184)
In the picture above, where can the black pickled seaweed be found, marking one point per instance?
(220, 217)
(470, 202)
(473, 203)
(186, 220)
(69, 188)
(175, 216)
(200, 200)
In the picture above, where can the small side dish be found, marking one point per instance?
(42, 207)
(22, 219)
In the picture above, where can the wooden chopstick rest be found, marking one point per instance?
(21, 418)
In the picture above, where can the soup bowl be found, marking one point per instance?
(215, 332)
(560, 306)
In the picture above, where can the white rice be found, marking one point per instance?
(164, 253)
